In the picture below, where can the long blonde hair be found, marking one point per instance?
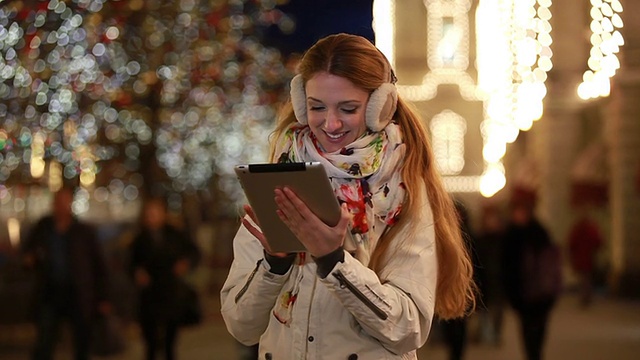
(357, 59)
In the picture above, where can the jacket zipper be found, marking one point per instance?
(362, 297)
(246, 284)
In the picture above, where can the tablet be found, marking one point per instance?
(308, 180)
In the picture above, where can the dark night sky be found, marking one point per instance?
(318, 18)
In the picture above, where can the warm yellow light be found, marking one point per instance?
(616, 20)
(55, 176)
(448, 131)
(13, 228)
(513, 56)
(37, 164)
(447, 50)
(605, 44)
(37, 167)
(462, 184)
(493, 151)
(383, 15)
(524, 123)
(87, 178)
(492, 181)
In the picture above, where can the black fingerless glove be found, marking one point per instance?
(279, 265)
(327, 262)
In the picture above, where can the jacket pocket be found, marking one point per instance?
(345, 283)
(248, 282)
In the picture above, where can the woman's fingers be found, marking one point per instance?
(256, 232)
(318, 237)
(345, 216)
(252, 229)
(286, 205)
(249, 211)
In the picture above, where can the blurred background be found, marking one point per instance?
(127, 99)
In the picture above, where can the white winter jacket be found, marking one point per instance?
(348, 315)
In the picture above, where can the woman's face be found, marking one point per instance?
(335, 110)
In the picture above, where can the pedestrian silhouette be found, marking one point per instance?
(71, 277)
(161, 255)
(532, 271)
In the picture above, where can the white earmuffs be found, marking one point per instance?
(380, 107)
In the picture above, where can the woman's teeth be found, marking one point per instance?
(335, 136)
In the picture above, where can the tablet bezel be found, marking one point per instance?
(308, 180)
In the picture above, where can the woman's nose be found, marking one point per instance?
(332, 122)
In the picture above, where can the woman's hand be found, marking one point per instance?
(257, 233)
(318, 238)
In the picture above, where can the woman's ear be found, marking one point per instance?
(381, 107)
(299, 99)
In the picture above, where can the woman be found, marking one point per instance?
(369, 298)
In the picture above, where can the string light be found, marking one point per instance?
(513, 56)
(384, 13)
(37, 155)
(447, 52)
(447, 139)
(606, 41)
(13, 228)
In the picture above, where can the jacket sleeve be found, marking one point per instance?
(250, 291)
(397, 310)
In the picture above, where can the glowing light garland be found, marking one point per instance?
(448, 130)
(606, 41)
(513, 58)
(448, 51)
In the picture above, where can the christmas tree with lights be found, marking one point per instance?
(127, 97)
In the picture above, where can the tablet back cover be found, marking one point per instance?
(308, 180)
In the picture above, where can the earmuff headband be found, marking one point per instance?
(380, 108)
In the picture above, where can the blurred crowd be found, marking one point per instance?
(518, 265)
(64, 271)
(99, 282)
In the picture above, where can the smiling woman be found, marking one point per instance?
(394, 260)
(336, 110)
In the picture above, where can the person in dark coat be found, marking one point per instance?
(489, 274)
(161, 255)
(71, 277)
(525, 233)
(455, 330)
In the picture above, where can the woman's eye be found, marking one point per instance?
(349, 110)
(315, 107)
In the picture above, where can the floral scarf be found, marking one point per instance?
(365, 175)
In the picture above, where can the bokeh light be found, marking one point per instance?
(90, 88)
